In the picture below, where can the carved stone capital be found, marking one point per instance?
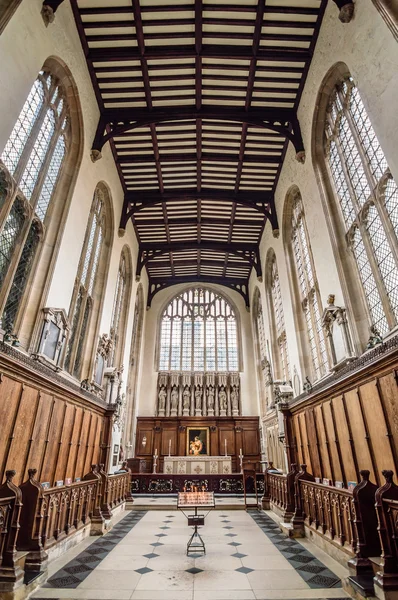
(346, 12)
(95, 155)
(47, 14)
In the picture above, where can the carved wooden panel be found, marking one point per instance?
(240, 432)
(353, 428)
(44, 430)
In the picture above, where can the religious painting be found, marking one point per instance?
(197, 441)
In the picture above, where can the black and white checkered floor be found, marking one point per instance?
(143, 558)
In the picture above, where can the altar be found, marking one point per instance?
(197, 465)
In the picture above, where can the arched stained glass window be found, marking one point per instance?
(368, 198)
(282, 367)
(82, 302)
(308, 288)
(33, 157)
(120, 309)
(199, 333)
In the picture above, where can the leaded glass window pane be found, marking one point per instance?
(118, 307)
(86, 278)
(369, 201)
(9, 236)
(38, 154)
(280, 332)
(34, 155)
(21, 277)
(23, 127)
(51, 178)
(308, 291)
(198, 332)
(82, 339)
(74, 329)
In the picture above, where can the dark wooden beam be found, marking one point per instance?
(136, 202)
(150, 251)
(300, 55)
(282, 121)
(238, 285)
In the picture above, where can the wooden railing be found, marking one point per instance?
(280, 490)
(10, 510)
(116, 489)
(330, 511)
(363, 523)
(34, 520)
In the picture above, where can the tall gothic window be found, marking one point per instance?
(32, 160)
(368, 198)
(82, 305)
(278, 329)
(120, 308)
(308, 289)
(199, 333)
(261, 349)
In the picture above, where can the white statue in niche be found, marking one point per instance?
(162, 399)
(210, 397)
(186, 398)
(235, 401)
(174, 401)
(198, 397)
(198, 401)
(210, 401)
(222, 396)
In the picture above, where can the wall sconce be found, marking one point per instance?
(144, 441)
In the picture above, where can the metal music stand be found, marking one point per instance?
(195, 500)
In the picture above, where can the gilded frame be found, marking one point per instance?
(204, 435)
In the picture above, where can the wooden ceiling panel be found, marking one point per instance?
(198, 99)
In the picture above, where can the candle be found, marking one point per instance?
(225, 444)
(169, 447)
(156, 451)
(241, 451)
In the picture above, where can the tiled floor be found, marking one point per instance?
(143, 558)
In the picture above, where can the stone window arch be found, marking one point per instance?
(36, 184)
(7, 10)
(120, 309)
(362, 201)
(199, 332)
(305, 289)
(279, 346)
(133, 372)
(388, 10)
(260, 350)
(88, 294)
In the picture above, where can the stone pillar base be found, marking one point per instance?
(198, 412)
(173, 412)
(185, 412)
(161, 412)
(235, 413)
(97, 526)
(223, 413)
(210, 412)
(265, 503)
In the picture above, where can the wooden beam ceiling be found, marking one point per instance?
(198, 102)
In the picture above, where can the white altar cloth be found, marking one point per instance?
(197, 465)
